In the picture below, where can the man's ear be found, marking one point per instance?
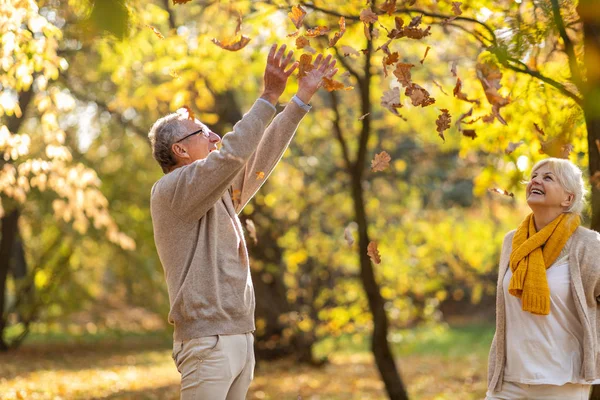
(179, 150)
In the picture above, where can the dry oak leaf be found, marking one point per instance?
(260, 175)
(501, 191)
(556, 147)
(234, 44)
(418, 95)
(373, 253)
(251, 230)
(305, 65)
(425, 55)
(367, 32)
(190, 113)
(402, 72)
(463, 116)
(453, 69)
(391, 100)
(389, 7)
(338, 35)
(302, 42)
(348, 236)
(349, 51)
(318, 31)
(367, 16)
(238, 28)
(389, 59)
(538, 129)
(456, 7)
(459, 94)
(181, 1)
(443, 123)
(293, 34)
(236, 196)
(513, 146)
(470, 133)
(331, 85)
(489, 75)
(380, 162)
(297, 16)
(156, 32)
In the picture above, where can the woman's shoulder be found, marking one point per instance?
(509, 235)
(586, 241)
(586, 235)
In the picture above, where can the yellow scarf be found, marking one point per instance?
(532, 253)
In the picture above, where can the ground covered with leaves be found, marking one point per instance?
(435, 364)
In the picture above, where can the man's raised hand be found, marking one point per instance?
(313, 80)
(276, 75)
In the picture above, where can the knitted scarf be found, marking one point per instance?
(532, 253)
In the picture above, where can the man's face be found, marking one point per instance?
(197, 146)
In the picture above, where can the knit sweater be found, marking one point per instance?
(197, 232)
(584, 269)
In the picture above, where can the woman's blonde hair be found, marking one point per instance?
(570, 178)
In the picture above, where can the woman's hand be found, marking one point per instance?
(313, 80)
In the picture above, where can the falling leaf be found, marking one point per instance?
(302, 42)
(236, 197)
(349, 51)
(462, 117)
(260, 175)
(556, 147)
(309, 49)
(330, 85)
(402, 72)
(411, 31)
(595, 179)
(501, 191)
(459, 94)
(305, 65)
(453, 69)
(156, 32)
(513, 146)
(367, 31)
(190, 113)
(181, 1)
(297, 16)
(389, 59)
(443, 123)
(238, 28)
(380, 162)
(425, 55)
(391, 100)
(470, 133)
(456, 7)
(234, 44)
(338, 35)
(293, 34)
(539, 130)
(375, 33)
(373, 253)
(416, 21)
(367, 16)
(385, 47)
(389, 7)
(251, 230)
(348, 236)
(418, 95)
(439, 86)
(318, 31)
(363, 116)
(489, 75)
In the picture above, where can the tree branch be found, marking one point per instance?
(569, 48)
(338, 130)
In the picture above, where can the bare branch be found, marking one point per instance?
(569, 48)
(337, 128)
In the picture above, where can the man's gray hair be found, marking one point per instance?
(570, 178)
(163, 133)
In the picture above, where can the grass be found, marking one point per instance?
(435, 364)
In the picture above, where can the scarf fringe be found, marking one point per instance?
(535, 303)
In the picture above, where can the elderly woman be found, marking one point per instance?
(546, 344)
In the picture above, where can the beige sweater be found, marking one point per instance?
(198, 234)
(584, 268)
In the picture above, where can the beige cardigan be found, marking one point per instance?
(198, 234)
(584, 268)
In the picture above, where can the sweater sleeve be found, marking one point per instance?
(191, 190)
(273, 144)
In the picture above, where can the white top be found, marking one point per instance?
(545, 349)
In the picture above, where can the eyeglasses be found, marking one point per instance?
(206, 135)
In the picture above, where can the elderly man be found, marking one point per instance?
(198, 234)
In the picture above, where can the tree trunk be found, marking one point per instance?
(9, 233)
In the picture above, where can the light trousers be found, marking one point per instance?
(519, 391)
(217, 367)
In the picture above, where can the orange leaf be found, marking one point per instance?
(234, 44)
(338, 35)
(293, 34)
(456, 7)
(302, 42)
(190, 113)
(236, 196)
(402, 72)
(501, 191)
(297, 16)
(156, 32)
(443, 123)
(389, 59)
(489, 75)
(418, 95)
(380, 162)
(260, 175)
(318, 31)
(389, 7)
(305, 65)
(459, 94)
(556, 147)
(367, 16)
(330, 85)
(425, 55)
(373, 253)
(513, 146)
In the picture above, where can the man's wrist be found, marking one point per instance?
(270, 97)
(304, 96)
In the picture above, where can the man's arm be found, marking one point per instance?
(279, 134)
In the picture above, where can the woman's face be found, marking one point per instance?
(544, 191)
